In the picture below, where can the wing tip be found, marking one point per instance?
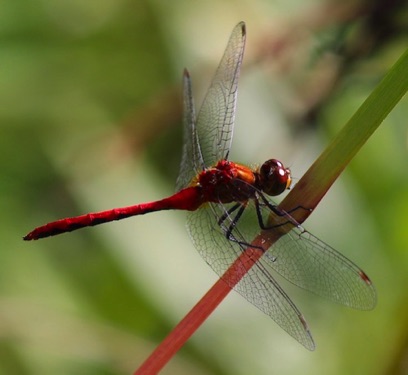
(243, 27)
(309, 343)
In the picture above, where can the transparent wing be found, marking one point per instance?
(298, 256)
(311, 264)
(191, 159)
(257, 286)
(208, 139)
(215, 121)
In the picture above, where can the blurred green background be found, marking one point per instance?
(90, 115)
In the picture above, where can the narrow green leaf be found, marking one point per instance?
(321, 175)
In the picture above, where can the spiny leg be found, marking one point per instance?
(275, 209)
(228, 229)
(228, 213)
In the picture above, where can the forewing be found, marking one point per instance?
(191, 159)
(215, 121)
(298, 256)
(311, 264)
(257, 286)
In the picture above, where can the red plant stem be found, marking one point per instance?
(200, 312)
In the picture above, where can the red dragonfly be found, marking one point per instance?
(229, 203)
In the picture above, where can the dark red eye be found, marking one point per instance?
(274, 178)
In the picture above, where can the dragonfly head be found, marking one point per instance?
(274, 178)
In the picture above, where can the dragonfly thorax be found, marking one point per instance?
(227, 182)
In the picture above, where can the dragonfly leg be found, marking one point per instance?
(229, 229)
(234, 220)
(275, 209)
(299, 208)
(228, 213)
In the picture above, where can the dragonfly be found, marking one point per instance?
(229, 203)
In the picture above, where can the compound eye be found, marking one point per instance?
(274, 177)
